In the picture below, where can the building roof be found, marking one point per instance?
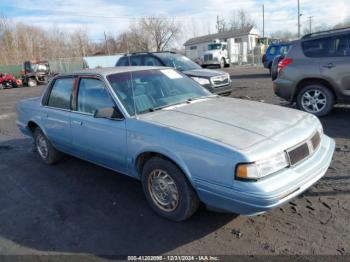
(222, 35)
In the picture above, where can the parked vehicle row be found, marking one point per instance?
(315, 72)
(215, 81)
(183, 143)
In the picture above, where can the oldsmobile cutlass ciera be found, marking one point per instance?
(185, 144)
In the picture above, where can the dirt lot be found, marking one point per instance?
(76, 207)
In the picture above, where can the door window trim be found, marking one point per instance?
(74, 101)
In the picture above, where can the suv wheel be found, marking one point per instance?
(316, 99)
(167, 190)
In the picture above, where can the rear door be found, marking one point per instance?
(335, 65)
(56, 110)
(99, 140)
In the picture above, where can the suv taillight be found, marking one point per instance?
(283, 63)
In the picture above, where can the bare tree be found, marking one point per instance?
(240, 20)
(161, 30)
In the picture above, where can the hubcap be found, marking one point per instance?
(163, 190)
(313, 101)
(41, 145)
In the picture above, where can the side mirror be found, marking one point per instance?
(109, 113)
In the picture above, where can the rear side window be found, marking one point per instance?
(124, 61)
(92, 95)
(61, 93)
(317, 47)
(272, 50)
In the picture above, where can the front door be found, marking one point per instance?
(102, 141)
(335, 64)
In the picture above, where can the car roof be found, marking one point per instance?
(324, 34)
(112, 70)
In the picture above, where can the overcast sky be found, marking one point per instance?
(197, 16)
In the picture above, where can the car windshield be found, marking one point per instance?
(151, 90)
(179, 62)
(214, 46)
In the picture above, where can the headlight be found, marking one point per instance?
(201, 81)
(262, 168)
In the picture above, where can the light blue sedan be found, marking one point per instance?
(183, 143)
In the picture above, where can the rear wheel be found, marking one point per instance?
(316, 99)
(45, 149)
(167, 190)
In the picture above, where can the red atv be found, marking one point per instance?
(7, 81)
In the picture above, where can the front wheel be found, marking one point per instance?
(316, 99)
(167, 190)
(222, 63)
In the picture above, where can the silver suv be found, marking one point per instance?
(315, 73)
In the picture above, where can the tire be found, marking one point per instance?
(222, 63)
(227, 65)
(159, 172)
(45, 149)
(32, 82)
(316, 99)
(204, 66)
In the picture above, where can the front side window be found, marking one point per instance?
(92, 95)
(340, 46)
(151, 61)
(147, 90)
(61, 92)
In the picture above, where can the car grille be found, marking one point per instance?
(220, 80)
(299, 153)
(208, 57)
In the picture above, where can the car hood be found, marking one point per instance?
(206, 73)
(237, 123)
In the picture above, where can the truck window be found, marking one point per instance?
(61, 92)
(92, 96)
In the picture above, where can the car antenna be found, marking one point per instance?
(132, 80)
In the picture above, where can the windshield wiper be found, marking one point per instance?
(202, 97)
(187, 101)
(152, 109)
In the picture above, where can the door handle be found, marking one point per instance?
(329, 65)
(77, 122)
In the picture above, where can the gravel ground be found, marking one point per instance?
(75, 207)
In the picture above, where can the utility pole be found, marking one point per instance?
(310, 24)
(263, 10)
(107, 48)
(217, 24)
(298, 18)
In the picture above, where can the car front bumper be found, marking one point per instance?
(267, 194)
(224, 89)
